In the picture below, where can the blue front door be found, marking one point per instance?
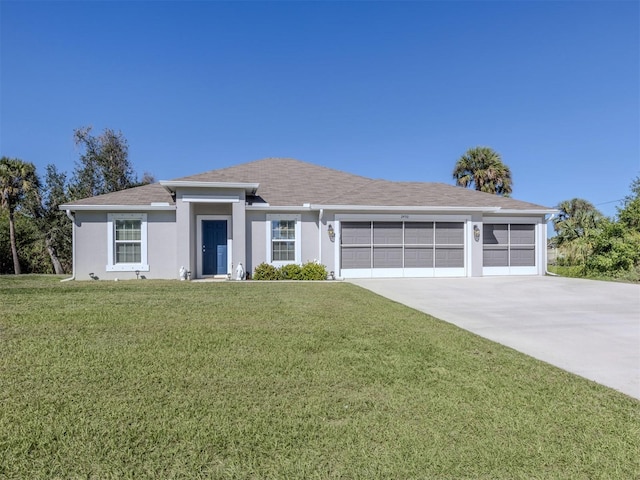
(214, 247)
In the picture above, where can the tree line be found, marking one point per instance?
(593, 245)
(35, 236)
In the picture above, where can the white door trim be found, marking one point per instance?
(199, 220)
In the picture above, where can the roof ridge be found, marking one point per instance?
(265, 160)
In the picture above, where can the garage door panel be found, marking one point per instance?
(356, 233)
(418, 233)
(495, 234)
(387, 257)
(448, 233)
(387, 233)
(523, 257)
(449, 257)
(497, 257)
(523, 234)
(418, 257)
(356, 257)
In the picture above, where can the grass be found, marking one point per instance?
(578, 271)
(154, 379)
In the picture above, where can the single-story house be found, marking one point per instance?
(284, 211)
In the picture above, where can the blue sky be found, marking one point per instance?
(395, 90)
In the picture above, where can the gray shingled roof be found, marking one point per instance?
(144, 195)
(289, 182)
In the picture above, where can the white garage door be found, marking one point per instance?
(402, 249)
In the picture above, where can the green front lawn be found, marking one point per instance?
(151, 379)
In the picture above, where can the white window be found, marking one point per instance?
(127, 242)
(283, 239)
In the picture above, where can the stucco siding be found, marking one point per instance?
(256, 239)
(91, 245)
(328, 245)
(162, 245)
(309, 237)
(212, 209)
(91, 256)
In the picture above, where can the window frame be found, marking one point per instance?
(297, 240)
(112, 265)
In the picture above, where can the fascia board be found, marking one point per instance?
(210, 198)
(118, 208)
(405, 208)
(511, 211)
(278, 208)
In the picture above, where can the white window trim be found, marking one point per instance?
(143, 266)
(298, 240)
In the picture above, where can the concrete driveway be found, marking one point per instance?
(586, 327)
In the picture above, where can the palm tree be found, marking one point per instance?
(17, 179)
(577, 218)
(482, 168)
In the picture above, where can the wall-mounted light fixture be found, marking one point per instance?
(331, 232)
(476, 233)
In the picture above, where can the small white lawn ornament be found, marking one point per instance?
(240, 272)
(183, 273)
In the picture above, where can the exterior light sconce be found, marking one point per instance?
(331, 232)
(476, 233)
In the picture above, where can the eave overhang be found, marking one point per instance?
(160, 206)
(402, 208)
(172, 185)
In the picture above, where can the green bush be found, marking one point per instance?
(616, 251)
(291, 271)
(313, 271)
(265, 271)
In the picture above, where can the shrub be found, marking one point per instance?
(291, 271)
(313, 271)
(265, 271)
(616, 251)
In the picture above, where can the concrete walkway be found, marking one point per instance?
(586, 327)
